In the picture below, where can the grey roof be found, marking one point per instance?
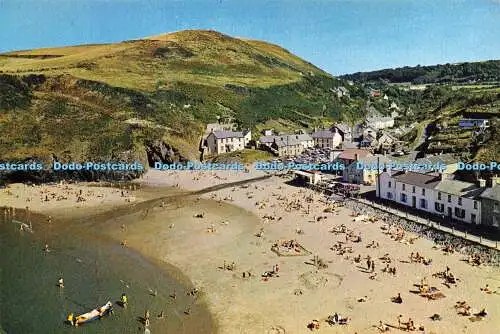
(228, 134)
(389, 135)
(429, 180)
(459, 188)
(374, 159)
(267, 139)
(303, 137)
(323, 134)
(492, 193)
(445, 159)
(343, 127)
(287, 139)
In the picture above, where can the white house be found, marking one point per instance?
(380, 122)
(326, 138)
(433, 193)
(459, 200)
(364, 170)
(344, 130)
(227, 141)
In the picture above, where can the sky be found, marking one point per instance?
(339, 36)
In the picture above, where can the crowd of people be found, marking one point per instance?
(476, 253)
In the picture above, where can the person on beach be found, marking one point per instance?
(124, 300)
(398, 299)
(382, 327)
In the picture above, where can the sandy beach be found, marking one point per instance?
(68, 199)
(201, 246)
(223, 242)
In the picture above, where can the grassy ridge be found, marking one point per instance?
(104, 101)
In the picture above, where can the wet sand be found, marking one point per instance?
(95, 269)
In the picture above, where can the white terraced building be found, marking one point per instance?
(227, 141)
(327, 138)
(434, 193)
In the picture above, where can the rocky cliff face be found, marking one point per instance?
(162, 152)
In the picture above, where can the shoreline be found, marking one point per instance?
(302, 292)
(238, 307)
(96, 213)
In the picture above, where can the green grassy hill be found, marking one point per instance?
(122, 100)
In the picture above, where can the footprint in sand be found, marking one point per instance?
(316, 279)
(276, 330)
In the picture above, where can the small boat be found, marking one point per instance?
(93, 315)
(23, 226)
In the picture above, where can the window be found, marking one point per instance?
(389, 185)
(404, 186)
(403, 198)
(495, 207)
(413, 189)
(389, 195)
(449, 198)
(473, 218)
(460, 201)
(423, 191)
(439, 196)
(475, 205)
(460, 213)
(423, 203)
(439, 207)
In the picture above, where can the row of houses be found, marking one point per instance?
(440, 194)
(220, 138)
(287, 145)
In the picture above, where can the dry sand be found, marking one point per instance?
(252, 305)
(66, 198)
(301, 293)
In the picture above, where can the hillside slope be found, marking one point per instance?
(129, 99)
(439, 97)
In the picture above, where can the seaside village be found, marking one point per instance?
(444, 206)
(351, 250)
(445, 192)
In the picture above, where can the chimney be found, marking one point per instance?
(482, 183)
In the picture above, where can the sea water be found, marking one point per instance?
(95, 270)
